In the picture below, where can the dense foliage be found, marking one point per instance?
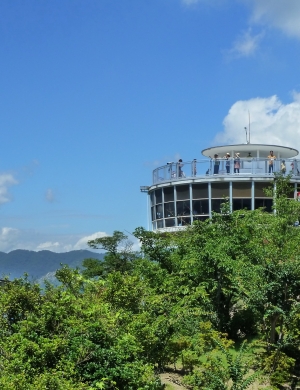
(185, 302)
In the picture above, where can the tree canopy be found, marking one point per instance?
(188, 300)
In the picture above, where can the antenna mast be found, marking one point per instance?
(249, 125)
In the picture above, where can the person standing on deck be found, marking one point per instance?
(180, 171)
(227, 164)
(271, 158)
(216, 164)
(237, 163)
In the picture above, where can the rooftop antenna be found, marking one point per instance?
(249, 126)
(246, 134)
(248, 140)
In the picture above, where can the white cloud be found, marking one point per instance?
(296, 96)
(272, 122)
(50, 246)
(282, 14)
(8, 236)
(50, 197)
(6, 180)
(12, 239)
(246, 45)
(82, 242)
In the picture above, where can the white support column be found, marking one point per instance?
(191, 203)
(274, 197)
(230, 195)
(163, 205)
(175, 206)
(252, 195)
(149, 216)
(209, 199)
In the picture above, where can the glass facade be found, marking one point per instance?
(200, 207)
(184, 192)
(180, 205)
(220, 190)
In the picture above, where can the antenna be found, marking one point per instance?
(249, 126)
(248, 140)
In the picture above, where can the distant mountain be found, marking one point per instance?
(37, 264)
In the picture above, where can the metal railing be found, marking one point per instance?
(219, 167)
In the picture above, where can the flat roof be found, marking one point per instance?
(256, 150)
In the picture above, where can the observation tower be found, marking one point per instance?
(185, 191)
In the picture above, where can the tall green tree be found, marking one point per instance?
(119, 255)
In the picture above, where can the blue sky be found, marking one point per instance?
(95, 94)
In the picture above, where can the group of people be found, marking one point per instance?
(236, 163)
(271, 158)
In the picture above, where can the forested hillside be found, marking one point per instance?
(218, 301)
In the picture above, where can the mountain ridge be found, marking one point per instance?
(37, 264)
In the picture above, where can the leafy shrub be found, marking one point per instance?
(279, 366)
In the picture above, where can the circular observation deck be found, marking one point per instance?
(182, 192)
(255, 150)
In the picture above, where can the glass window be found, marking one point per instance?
(218, 190)
(216, 205)
(200, 207)
(169, 194)
(247, 204)
(152, 198)
(153, 213)
(241, 190)
(158, 196)
(159, 211)
(170, 222)
(197, 218)
(183, 221)
(183, 208)
(240, 204)
(169, 210)
(266, 203)
(154, 225)
(183, 192)
(259, 190)
(291, 194)
(160, 224)
(237, 204)
(200, 191)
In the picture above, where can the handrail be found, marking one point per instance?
(222, 167)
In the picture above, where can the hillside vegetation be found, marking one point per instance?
(218, 301)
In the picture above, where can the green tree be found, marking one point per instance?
(74, 336)
(119, 255)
